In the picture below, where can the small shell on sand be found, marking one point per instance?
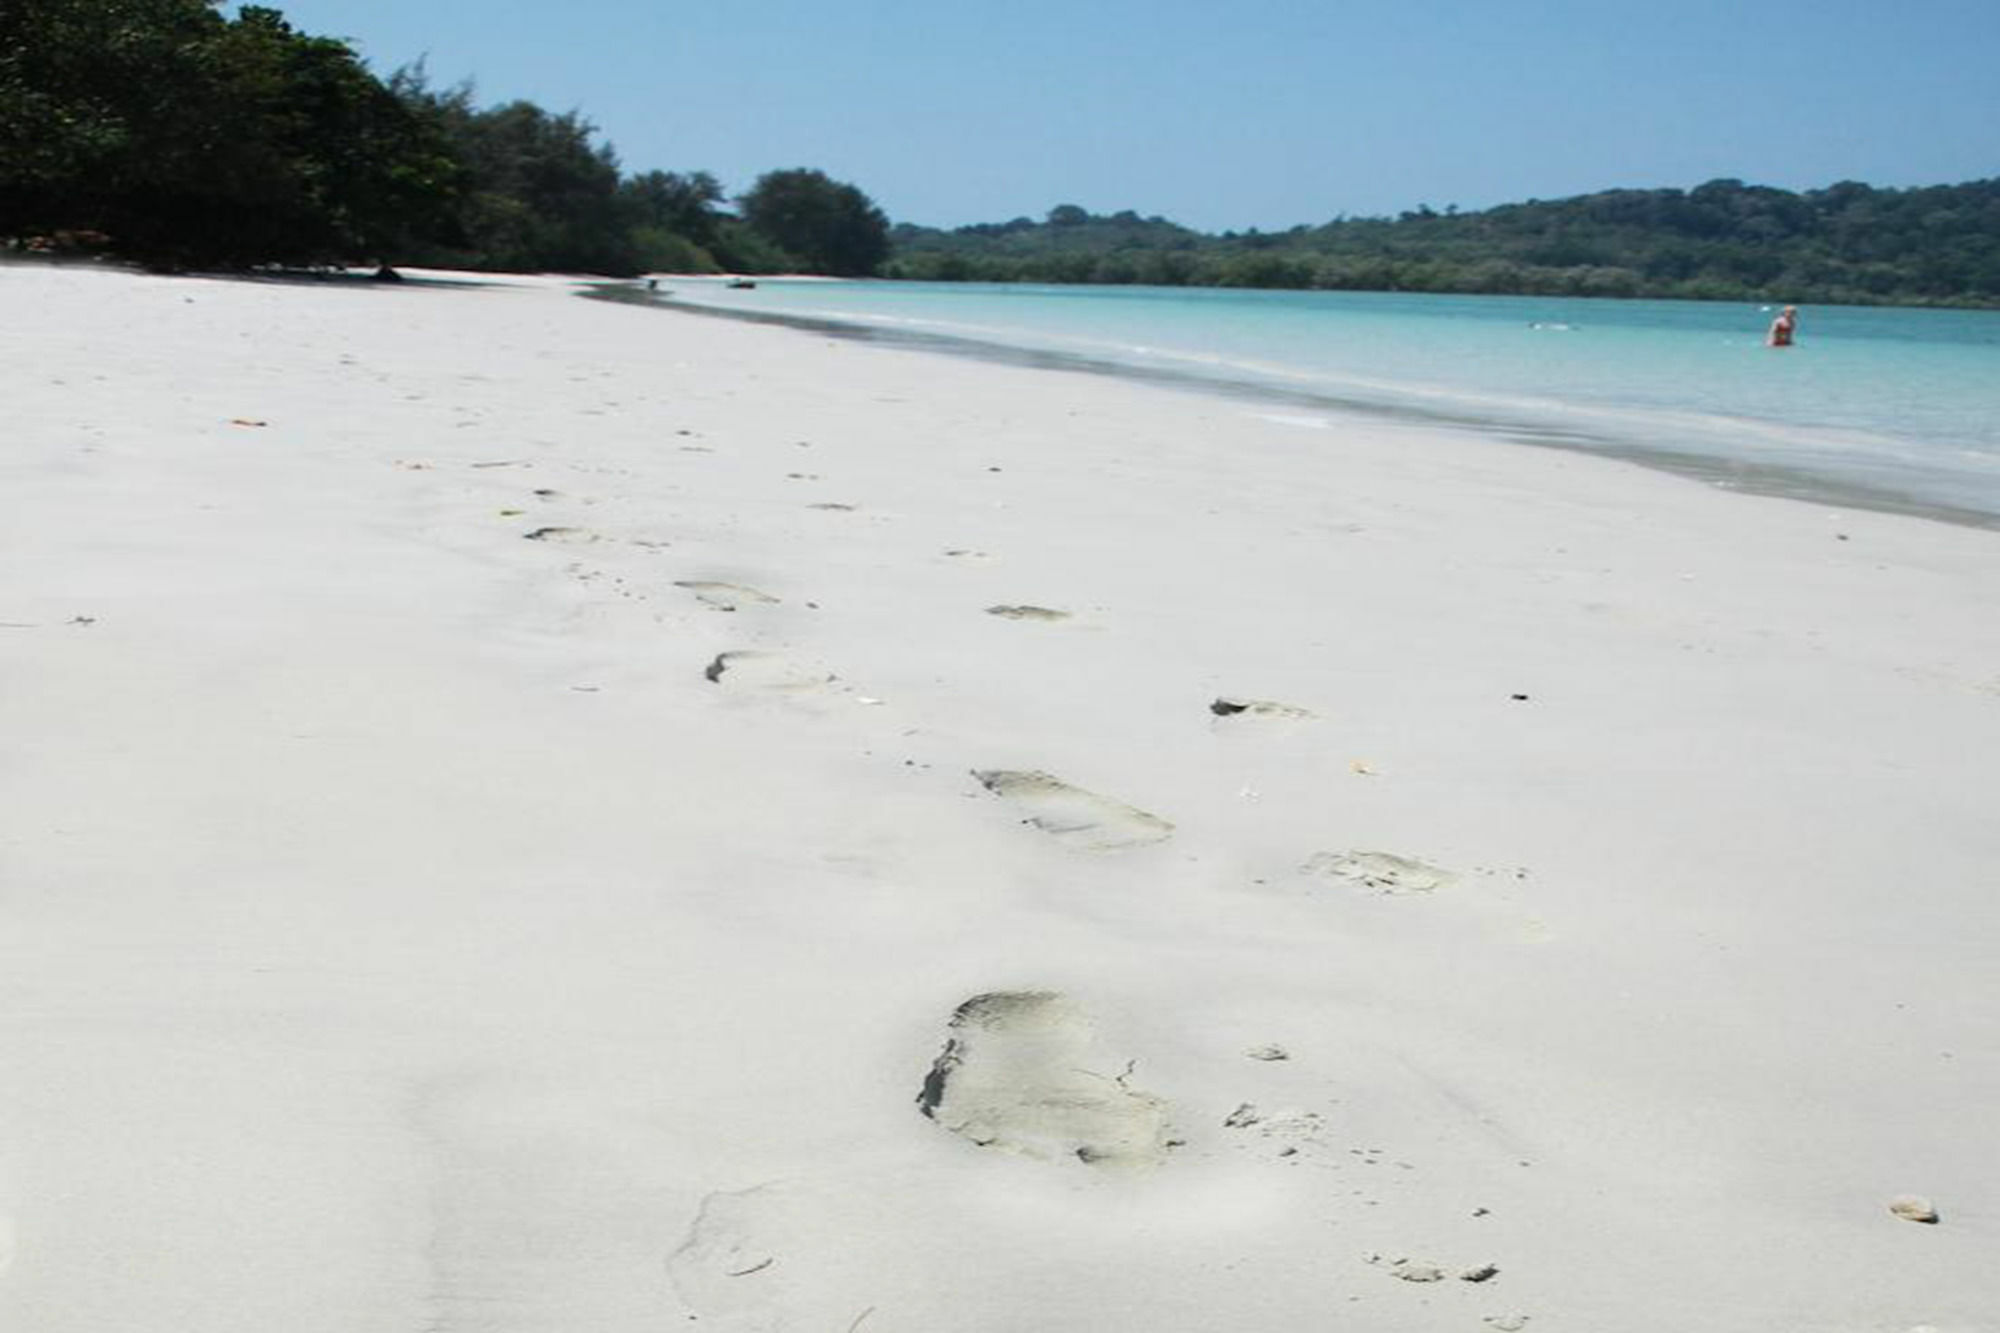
(1914, 1208)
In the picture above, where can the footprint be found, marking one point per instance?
(1026, 613)
(1424, 1271)
(1265, 708)
(725, 596)
(1383, 872)
(749, 670)
(1284, 1132)
(1012, 1077)
(1416, 1270)
(722, 1271)
(1073, 816)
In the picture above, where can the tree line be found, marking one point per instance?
(169, 133)
(1725, 240)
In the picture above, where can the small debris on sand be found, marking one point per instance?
(559, 535)
(1027, 613)
(1914, 1208)
(1227, 707)
(1273, 1052)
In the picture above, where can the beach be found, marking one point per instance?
(527, 813)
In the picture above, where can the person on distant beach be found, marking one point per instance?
(1783, 327)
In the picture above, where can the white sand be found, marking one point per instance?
(399, 930)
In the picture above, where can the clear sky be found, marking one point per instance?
(1233, 113)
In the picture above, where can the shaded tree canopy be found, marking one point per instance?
(831, 226)
(168, 132)
(187, 137)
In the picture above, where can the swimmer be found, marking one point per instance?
(1783, 327)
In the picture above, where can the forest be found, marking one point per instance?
(168, 133)
(1725, 240)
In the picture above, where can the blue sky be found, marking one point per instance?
(1257, 113)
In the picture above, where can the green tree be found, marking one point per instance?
(687, 206)
(1722, 240)
(298, 154)
(84, 86)
(188, 138)
(539, 193)
(830, 226)
(741, 248)
(674, 219)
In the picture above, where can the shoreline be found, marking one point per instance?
(1747, 477)
(525, 814)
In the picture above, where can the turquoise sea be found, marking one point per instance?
(1893, 409)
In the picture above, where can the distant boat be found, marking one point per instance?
(741, 284)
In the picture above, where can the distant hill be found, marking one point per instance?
(1848, 243)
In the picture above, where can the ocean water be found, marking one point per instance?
(1888, 408)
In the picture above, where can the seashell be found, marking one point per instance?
(1914, 1208)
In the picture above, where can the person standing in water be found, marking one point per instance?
(1783, 327)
